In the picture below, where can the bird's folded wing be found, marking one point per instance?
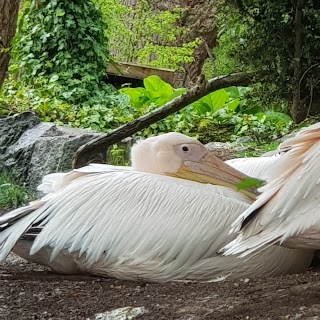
(133, 215)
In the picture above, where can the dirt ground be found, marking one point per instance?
(29, 291)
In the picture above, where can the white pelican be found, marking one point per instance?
(288, 210)
(129, 224)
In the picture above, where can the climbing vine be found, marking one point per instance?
(62, 42)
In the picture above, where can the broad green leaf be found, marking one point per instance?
(280, 116)
(157, 87)
(136, 95)
(233, 92)
(177, 93)
(232, 105)
(201, 107)
(216, 100)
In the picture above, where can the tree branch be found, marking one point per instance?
(95, 150)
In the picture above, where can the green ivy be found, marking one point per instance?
(64, 42)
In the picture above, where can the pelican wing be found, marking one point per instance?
(109, 208)
(289, 203)
(256, 167)
(55, 181)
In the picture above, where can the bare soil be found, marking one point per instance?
(30, 291)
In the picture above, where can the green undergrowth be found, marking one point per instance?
(253, 149)
(11, 194)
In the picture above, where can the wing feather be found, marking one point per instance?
(256, 167)
(289, 203)
(130, 214)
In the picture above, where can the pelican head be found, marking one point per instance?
(184, 157)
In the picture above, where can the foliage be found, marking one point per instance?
(59, 67)
(155, 91)
(229, 44)
(225, 107)
(101, 112)
(118, 155)
(145, 36)
(11, 195)
(61, 42)
(266, 42)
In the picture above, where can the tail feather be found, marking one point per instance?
(13, 225)
(12, 216)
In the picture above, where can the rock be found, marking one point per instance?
(30, 149)
(222, 150)
(11, 128)
(245, 139)
(126, 313)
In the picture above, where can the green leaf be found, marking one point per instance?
(177, 93)
(216, 100)
(280, 116)
(249, 183)
(137, 96)
(232, 105)
(60, 13)
(156, 87)
(54, 78)
(233, 92)
(201, 107)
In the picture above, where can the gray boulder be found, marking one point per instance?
(30, 149)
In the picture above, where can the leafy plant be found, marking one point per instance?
(155, 91)
(224, 108)
(64, 43)
(59, 64)
(266, 39)
(11, 195)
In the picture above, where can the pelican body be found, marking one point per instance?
(146, 222)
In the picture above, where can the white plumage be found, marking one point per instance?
(124, 223)
(287, 212)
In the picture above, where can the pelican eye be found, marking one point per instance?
(185, 149)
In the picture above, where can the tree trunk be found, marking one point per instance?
(8, 23)
(199, 20)
(298, 109)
